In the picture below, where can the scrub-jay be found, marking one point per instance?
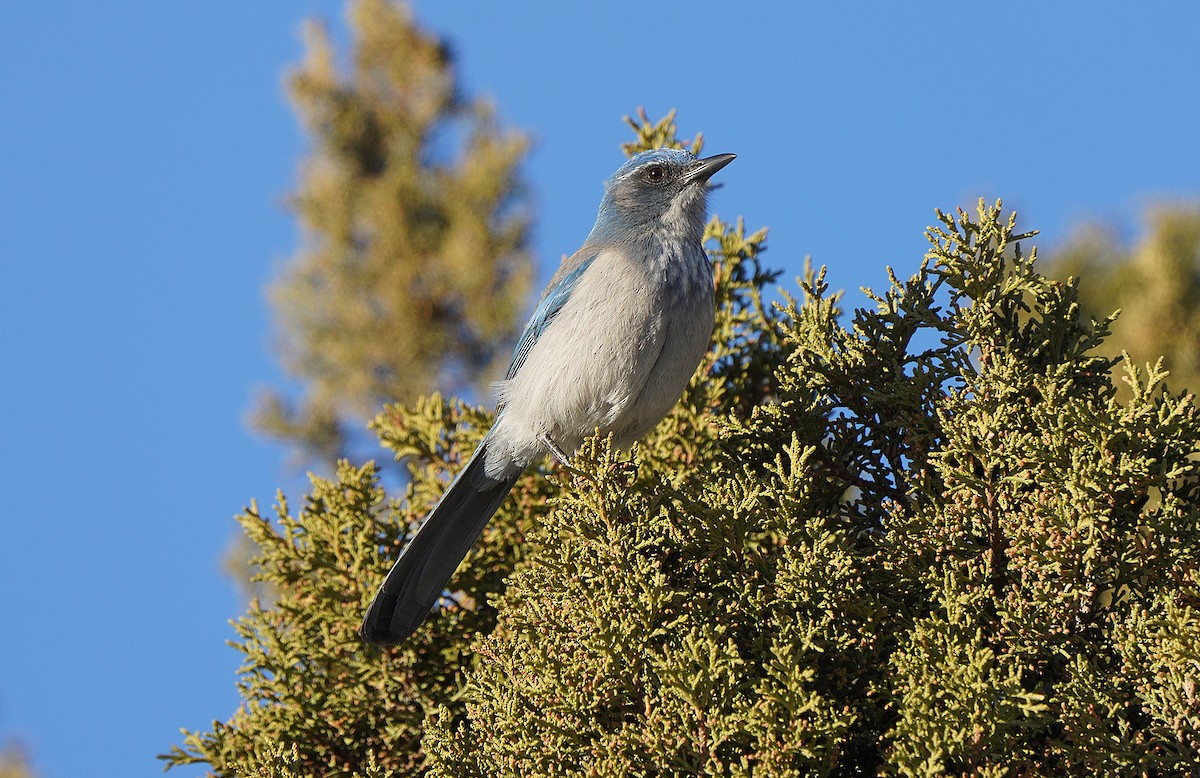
(612, 344)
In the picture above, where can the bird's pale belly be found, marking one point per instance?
(619, 368)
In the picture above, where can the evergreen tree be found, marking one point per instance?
(1155, 283)
(928, 540)
(414, 268)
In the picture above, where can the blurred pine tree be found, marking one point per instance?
(1155, 283)
(413, 271)
(13, 763)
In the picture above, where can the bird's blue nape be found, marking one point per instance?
(676, 156)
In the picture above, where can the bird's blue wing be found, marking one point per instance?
(549, 306)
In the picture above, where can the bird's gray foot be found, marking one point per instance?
(564, 460)
(557, 452)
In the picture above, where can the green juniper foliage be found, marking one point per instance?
(923, 539)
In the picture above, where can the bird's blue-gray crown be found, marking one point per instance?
(664, 185)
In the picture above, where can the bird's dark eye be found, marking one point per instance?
(655, 174)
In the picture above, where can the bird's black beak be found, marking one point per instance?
(704, 169)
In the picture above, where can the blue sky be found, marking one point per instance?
(146, 148)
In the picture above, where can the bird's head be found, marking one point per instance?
(664, 186)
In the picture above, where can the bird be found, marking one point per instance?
(610, 347)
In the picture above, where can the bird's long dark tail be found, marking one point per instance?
(426, 564)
